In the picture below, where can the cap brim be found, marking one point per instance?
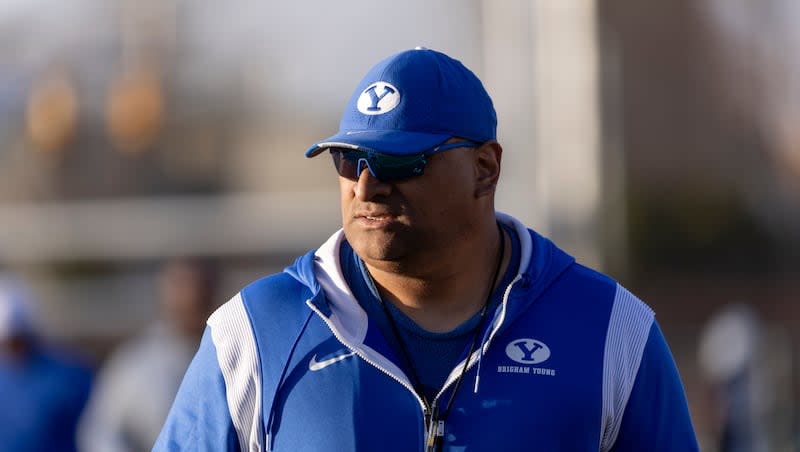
(393, 142)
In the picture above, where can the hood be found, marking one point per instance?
(541, 264)
(321, 272)
(303, 271)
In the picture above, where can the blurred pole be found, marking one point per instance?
(509, 76)
(546, 92)
(614, 232)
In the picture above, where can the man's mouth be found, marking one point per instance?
(375, 219)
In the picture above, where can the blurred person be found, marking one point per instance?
(430, 321)
(730, 356)
(43, 387)
(137, 384)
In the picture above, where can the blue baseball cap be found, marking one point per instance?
(411, 102)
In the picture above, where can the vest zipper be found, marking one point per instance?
(426, 410)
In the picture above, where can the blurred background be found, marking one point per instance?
(656, 141)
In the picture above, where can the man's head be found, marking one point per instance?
(16, 317)
(187, 292)
(417, 157)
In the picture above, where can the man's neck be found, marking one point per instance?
(450, 291)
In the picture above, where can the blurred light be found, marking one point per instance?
(788, 149)
(52, 112)
(728, 342)
(135, 110)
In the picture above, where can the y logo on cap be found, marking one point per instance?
(378, 98)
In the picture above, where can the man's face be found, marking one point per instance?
(186, 296)
(15, 347)
(397, 221)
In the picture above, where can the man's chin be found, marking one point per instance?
(376, 245)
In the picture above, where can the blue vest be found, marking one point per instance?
(570, 361)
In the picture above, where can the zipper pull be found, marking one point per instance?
(432, 425)
(431, 440)
(435, 436)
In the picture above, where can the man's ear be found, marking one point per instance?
(487, 167)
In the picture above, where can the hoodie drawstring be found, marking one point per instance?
(491, 330)
(481, 351)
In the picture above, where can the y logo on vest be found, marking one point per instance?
(528, 352)
(378, 98)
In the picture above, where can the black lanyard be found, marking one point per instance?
(436, 423)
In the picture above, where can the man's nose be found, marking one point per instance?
(367, 186)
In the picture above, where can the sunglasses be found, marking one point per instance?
(386, 168)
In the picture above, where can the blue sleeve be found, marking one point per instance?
(77, 381)
(656, 417)
(199, 419)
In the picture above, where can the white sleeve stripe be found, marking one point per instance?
(628, 330)
(233, 338)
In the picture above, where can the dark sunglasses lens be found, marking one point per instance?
(385, 167)
(399, 168)
(345, 163)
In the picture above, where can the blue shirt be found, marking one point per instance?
(42, 397)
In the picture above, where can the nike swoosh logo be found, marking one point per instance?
(315, 365)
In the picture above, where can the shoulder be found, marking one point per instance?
(269, 299)
(598, 288)
(629, 318)
(263, 311)
(582, 289)
(278, 286)
(590, 280)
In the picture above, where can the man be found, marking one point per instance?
(43, 388)
(429, 322)
(137, 385)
